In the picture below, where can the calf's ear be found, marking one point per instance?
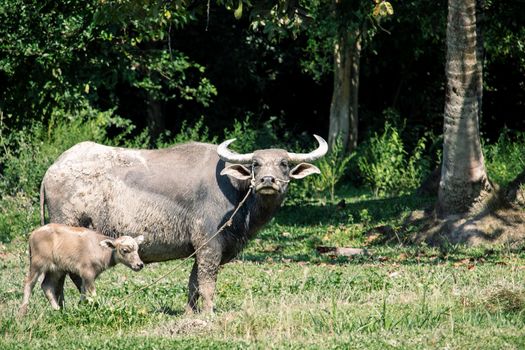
(303, 170)
(108, 243)
(237, 171)
(139, 239)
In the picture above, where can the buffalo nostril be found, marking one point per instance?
(270, 179)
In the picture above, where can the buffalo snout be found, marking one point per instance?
(138, 266)
(268, 179)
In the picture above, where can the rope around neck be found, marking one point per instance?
(228, 223)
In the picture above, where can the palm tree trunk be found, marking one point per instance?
(464, 183)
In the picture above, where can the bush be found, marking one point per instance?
(251, 135)
(505, 159)
(27, 153)
(333, 167)
(386, 166)
(19, 214)
(198, 133)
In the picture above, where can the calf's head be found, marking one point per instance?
(126, 250)
(270, 170)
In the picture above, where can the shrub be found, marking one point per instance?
(505, 158)
(245, 134)
(30, 151)
(387, 167)
(27, 153)
(198, 132)
(18, 215)
(333, 167)
(251, 135)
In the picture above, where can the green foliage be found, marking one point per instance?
(333, 166)
(386, 166)
(27, 153)
(37, 146)
(59, 57)
(323, 22)
(505, 159)
(245, 134)
(198, 133)
(18, 216)
(504, 34)
(250, 135)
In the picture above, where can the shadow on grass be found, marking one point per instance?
(166, 310)
(372, 210)
(350, 217)
(389, 255)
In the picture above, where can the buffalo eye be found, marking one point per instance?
(284, 163)
(256, 164)
(125, 251)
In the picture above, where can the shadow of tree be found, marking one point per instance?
(370, 210)
(166, 310)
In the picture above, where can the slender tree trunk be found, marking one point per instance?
(344, 105)
(464, 184)
(156, 120)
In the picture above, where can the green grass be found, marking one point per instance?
(280, 293)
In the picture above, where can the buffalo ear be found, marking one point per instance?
(139, 239)
(237, 171)
(303, 170)
(108, 243)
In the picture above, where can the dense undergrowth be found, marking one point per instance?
(385, 164)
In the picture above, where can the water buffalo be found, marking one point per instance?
(55, 250)
(176, 197)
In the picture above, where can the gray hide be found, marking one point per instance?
(176, 197)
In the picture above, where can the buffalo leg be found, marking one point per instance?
(88, 289)
(193, 290)
(59, 291)
(49, 286)
(77, 280)
(208, 261)
(31, 279)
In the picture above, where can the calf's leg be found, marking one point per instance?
(49, 286)
(77, 280)
(88, 288)
(59, 291)
(31, 279)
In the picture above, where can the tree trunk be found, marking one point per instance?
(344, 105)
(156, 120)
(464, 184)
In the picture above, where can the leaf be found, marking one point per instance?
(238, 12)
(383, 9)
(389, 8)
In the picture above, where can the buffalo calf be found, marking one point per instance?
(56, 250)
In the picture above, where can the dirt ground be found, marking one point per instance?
(503, 223)
(502, 226)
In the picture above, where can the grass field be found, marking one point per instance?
(281, 293)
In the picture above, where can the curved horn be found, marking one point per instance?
(310, 157)
(232, 157)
